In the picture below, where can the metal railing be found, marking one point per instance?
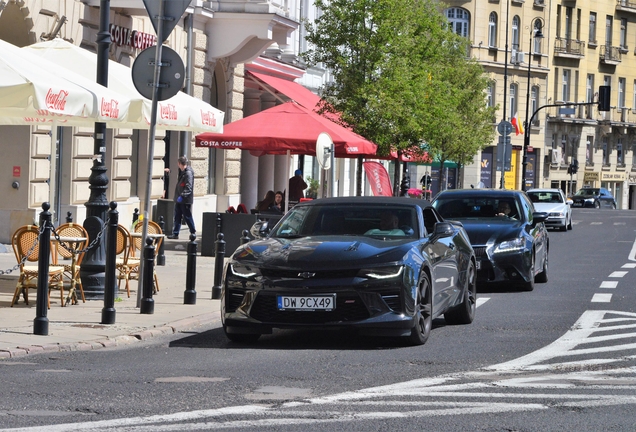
(569, 46)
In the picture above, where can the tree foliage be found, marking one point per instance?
(401, 76)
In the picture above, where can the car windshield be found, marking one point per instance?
(393, 221)
(587, 192)
(477, 207)
(545, 197)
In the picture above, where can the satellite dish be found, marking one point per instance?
(324, 148)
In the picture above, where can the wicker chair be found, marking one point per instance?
(123, 254)
(24, 245)
(137, 251)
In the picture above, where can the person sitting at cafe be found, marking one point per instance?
(267, 203)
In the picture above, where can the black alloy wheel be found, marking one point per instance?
(465, 312)
(597, 204)
(423, 313)
(529, 286)
(543, 276)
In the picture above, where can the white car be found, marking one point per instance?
(555, 204)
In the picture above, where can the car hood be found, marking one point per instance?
(550, 207)
(322, 252)
(494, 230)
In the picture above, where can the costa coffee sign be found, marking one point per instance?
(126, 37)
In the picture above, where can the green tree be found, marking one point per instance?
(391, 62)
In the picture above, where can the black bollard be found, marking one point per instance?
(41, 321)
(147, 302)
(190, 294)
(69, 217)
(110, 284)
(219, 255)
(246, 237)
(135, 216)
(161, 256)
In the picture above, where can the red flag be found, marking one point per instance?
(378, 178)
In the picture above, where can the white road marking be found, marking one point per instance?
(619, 223)
(596, 223)
(618, 274)
(601, 298)
(481, 301)
(629, 265)
(609, 284)
(632, 253)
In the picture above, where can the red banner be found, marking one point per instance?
(378, 178)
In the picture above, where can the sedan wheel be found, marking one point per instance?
(570, 223)
(597, 204)
(543, 276)
(423, 313)
(529, 286)
(465, 312)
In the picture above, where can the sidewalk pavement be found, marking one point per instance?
(78, 327)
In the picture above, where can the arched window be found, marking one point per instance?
(459, 20)
(537, 40)
(492, 30)
(516, 25)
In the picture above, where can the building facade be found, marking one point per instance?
(585, 44)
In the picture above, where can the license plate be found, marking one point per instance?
(307, 303)
(478, 265)
(577, 204)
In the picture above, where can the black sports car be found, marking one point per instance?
(509, 237)
(383, 266)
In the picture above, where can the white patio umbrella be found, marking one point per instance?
(179, 113)
(36, 91)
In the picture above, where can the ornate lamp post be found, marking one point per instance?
(535, 30)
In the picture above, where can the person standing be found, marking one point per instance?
(296, 187)
(183, 198)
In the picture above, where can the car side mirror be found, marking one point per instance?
(538, 217)
(569, 201)
(443, 229)
(260, 229)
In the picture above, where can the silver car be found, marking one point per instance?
(555, 204)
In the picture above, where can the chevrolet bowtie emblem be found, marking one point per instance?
(306, 275)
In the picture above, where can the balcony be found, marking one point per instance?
(610, 55)
(569, 48)
(626, 5)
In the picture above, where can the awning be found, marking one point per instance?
(291, 89)
(288, 127)
(180, 112)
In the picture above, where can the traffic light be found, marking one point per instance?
(570, 169)
(575, 166)
(604, 98)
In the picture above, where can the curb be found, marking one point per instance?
(121, 340)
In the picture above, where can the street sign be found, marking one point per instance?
(530, 149)
(504, 127)
(504, 141)
(172, 12)
(171, 73)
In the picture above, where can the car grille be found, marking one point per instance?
(392, 300)
(479, 252)
(323, 274)
(234, 300)
(349, 307)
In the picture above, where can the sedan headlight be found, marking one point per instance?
(381, 272)
(510, 245)
(244, 271)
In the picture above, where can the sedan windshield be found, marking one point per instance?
(587, 192)
(356, 219)
(545, 197)
(477, 207)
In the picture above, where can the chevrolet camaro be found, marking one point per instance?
(383, 266)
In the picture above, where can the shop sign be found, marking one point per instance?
(123, 36)
(591, 177)
(613, 176)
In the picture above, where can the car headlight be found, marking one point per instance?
(244, 271)
(381, 272)
(511, 245)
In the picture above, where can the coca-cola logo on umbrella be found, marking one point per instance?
(109, 108)
(56, 101)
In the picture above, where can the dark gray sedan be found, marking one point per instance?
(509, 238)
(381, 266)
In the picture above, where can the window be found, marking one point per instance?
(619, 152)
(634, 97)
(589, 95)
(592, 35)
(564, 147)
(459, 20)
(624, 33)
(516, 23)
(490, 94)
(589, 146)
(534, 103)
(605, 151)
(609, 20)
(492, 30)
(565, 85)
(537, 40)
(621, 93)
(513, 99)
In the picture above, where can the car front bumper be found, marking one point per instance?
(504, 267)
